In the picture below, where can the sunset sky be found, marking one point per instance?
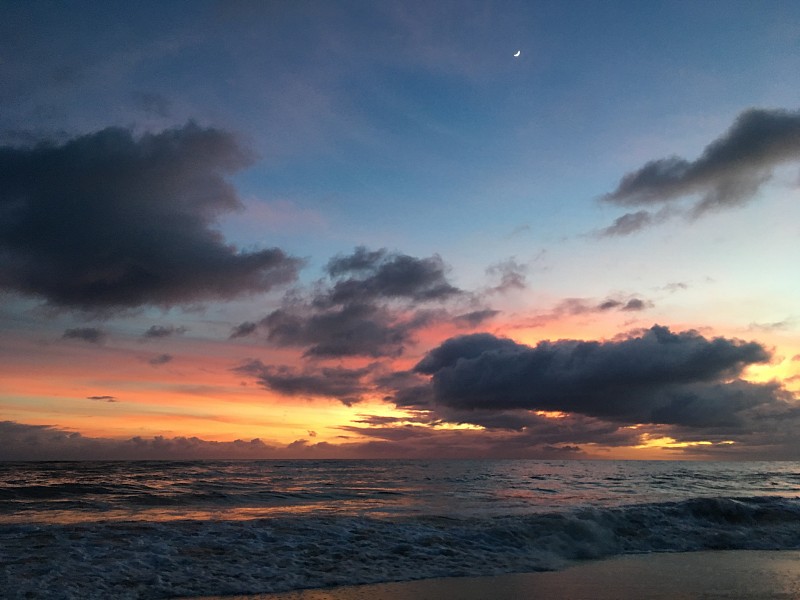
(367, 229)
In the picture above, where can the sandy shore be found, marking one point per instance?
(726, 574)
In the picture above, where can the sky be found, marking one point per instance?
(372, 230)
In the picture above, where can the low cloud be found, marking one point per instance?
(730, 171)
(43, 442)
(656, 377)
(570, 307)
(107, 221)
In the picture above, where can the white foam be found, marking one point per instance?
(185, 558)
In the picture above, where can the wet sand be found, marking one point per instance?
(709, 575)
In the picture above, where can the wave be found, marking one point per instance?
(167, 559)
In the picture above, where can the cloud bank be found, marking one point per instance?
(655, 383)
(657, 377)
(107, 221)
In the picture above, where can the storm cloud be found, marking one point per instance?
(109, 221)
(655, 377)
(729, 172)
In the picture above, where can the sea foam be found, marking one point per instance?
(189, 557)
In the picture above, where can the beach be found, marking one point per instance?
(728, 574)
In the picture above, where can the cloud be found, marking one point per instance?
(161, 359)
(87, 334)
(103, 398)
(585, 306)
(371, 304)
(106, 221)
(655, 377)
(243, 330)
(44, 442)
(152, 104)
(627, 224)
(162, 331)
(351, 330)
(366, 275)
(346, 385)
(512, 276)
(475, 317)
(729, 172)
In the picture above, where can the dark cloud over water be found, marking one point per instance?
(655, 377)
(109, 221)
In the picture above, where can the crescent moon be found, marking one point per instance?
(517, 53)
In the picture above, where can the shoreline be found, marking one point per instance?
(758, 574)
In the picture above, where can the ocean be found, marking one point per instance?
(168, 529)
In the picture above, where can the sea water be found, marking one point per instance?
(164, 529)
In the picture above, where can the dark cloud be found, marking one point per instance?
(628, 223)
(465, 347)
(243, 330)
(368, 275)
(43, 442)
(162, 331)
(87, 334)
(103, 398)
(161, 359)
(405, 388)
(655, 377)
(475, 317)
(107, 221)
(635, 304)
(512, 276)
(346, 385)
(729, 172)
(371, 304)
